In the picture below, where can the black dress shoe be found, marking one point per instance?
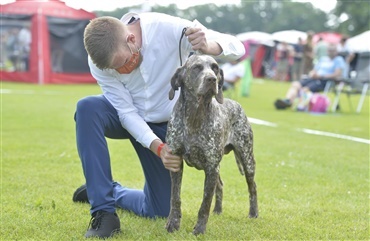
(80, 195)
(103, 225)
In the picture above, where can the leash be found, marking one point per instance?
(182, 35)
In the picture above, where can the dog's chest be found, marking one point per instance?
(200, 158)
(199, 137)
(202, 150)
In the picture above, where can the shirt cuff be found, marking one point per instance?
(230, 48)
(147, 139)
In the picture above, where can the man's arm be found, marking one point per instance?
(214, 43)
(171, 162)
(336, 75)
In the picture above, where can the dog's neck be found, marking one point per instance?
(195, 109)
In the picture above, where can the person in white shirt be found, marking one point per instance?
(133, 60)
(24, 40)
(346, 53)
(233, 72)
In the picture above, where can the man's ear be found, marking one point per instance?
(220, 95)
(176, 81)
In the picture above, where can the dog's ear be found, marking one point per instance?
(176, 82)
(220, 95)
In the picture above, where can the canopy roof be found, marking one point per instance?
(360, 43)
(54, 8)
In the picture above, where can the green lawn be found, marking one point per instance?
(310, 187)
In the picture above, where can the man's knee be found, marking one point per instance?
(296, 85)
(86, 103)
(88, 106)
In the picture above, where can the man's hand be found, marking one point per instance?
(197, 38)
(315, 76)
(170, 161)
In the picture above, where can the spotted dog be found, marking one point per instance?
(201, 130)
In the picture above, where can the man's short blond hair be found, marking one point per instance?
(102, 38)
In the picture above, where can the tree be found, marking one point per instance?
(351, 17)
(276, 15)
(257, 15)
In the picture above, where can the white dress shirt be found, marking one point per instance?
(233, 72)
(142, 95)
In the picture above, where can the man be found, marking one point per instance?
(284, 53)
(233, 72)
(328, 68)
(24, 41)
(133, 60)
(320, 49)
(297, 67)
(346, 53)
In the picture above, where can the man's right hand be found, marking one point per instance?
(170, 161)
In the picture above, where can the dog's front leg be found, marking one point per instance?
(209, 190)
(173, 220)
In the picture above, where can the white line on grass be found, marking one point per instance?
(323, 133)
(261, 122)
(29, 92)
(313, 132)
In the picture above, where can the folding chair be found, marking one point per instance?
(359, 84)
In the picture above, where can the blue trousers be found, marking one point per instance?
(97, 119)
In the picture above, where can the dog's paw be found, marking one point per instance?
(217, 210)
(253, 212)
(199, 229)
(172, 225)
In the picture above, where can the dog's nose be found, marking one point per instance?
(211, 79)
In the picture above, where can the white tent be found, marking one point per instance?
(289, 36)
(260, 37)
(360, 43)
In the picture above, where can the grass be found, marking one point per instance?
(309, 187)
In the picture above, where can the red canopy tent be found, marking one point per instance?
(42, 42)
(329, 37)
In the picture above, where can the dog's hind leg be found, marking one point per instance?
(252, 187)
(218, 196)
(246, 159)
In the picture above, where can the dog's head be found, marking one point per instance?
(200, 76)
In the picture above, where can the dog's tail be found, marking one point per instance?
(238, 162)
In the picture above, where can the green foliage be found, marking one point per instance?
(270, 16)
(356, 15)
(310, 187)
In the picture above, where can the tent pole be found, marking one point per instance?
(40, 47)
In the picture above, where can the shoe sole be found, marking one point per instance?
(76, 195)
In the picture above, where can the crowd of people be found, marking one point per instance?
(316, 65)
(15, 48)
(294, 61)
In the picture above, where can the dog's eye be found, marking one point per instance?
(215, 68)
(197, 67)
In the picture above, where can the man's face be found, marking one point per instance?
(332, 52)
(127, 59)
(121, 58)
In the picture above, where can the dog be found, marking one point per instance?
(202, 128)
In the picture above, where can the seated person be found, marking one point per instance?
(233, 72)
(329, 67)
